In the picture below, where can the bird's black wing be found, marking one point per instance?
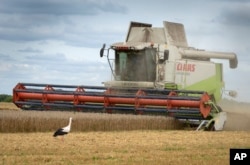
(59, 132)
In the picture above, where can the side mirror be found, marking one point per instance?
(102, 50)
(166, 55)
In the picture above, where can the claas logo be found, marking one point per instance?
(185, 67)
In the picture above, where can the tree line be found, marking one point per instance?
(5, 98)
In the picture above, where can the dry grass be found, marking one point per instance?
(123, 147)
(95, 139)
(8, 106)
(44, 121)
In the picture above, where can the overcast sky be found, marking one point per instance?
(58, 41)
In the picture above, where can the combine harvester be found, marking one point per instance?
(154, 71)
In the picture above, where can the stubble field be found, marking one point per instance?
(123, 147)
(121, 140)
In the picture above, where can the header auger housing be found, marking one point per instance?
(154, 71)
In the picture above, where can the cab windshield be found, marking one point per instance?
(134, 65)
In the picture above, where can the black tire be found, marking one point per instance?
(219, 108)
(210, 127)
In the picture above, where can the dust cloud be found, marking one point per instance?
(238, 115)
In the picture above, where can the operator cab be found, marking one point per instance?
(135, 65)
(132, 63)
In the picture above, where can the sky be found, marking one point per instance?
(58, 41)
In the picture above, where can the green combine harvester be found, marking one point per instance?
(154, 72)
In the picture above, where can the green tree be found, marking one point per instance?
(5, 98)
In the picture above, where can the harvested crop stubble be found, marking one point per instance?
(122, 147)
(43, 121)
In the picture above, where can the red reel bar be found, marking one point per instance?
(50, 95)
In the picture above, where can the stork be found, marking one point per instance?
(63, 131)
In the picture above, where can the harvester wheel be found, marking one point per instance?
(219, 108)
(210, 127)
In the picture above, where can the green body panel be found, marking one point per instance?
(212, 85)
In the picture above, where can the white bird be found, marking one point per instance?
(64, 130)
